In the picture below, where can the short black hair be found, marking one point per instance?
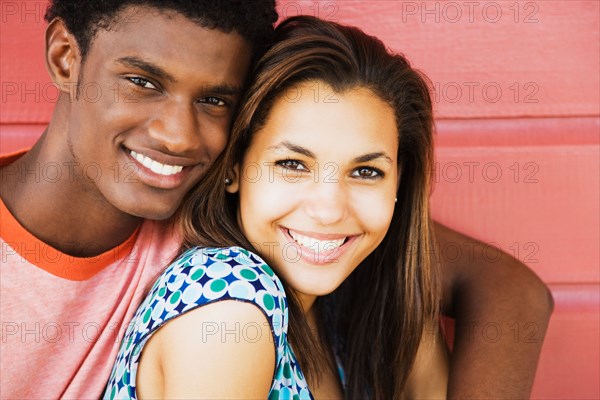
(251, 19)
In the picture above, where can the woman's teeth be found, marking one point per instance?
(315, 244)
(155, 166)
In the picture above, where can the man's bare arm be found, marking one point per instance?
(501, 309)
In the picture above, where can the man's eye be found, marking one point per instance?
(213, 101)
(141, 82)
(367, 173)
(292, 165)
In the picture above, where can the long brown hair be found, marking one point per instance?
(380, 311)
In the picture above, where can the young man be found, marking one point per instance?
(79, 251)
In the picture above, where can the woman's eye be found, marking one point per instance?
(213, 101)
(143, 83)
(292, 164)
(367, 173)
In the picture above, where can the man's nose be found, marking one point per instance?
(177, 128)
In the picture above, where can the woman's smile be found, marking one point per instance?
(319, 248)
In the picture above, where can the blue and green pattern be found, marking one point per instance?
(199, 277)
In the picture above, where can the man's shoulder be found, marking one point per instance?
(11, 157)
(157, 239)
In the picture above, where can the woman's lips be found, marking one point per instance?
(316, 248)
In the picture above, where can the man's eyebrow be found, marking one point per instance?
(135, 62)
(224, 89)
(293, 147)
(373, 156)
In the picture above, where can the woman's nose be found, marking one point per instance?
(328, 202)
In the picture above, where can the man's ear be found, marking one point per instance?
(232, 184)
(63, 58)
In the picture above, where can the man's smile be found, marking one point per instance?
(168, 173)
(155, 166)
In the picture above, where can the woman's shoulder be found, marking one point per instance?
(201, 276)
(222, 303)
(233, 270)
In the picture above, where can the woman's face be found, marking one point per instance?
(317, 185)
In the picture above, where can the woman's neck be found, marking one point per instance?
(306, 301)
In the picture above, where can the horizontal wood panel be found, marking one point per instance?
(570, 361)
(487, 58)
(540, 58)
(511, 132)
(14, 137)
(537, 202)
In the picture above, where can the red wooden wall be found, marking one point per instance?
(517, 97)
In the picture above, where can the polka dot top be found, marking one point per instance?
(198, 277)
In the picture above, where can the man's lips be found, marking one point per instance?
(165, 174)
(155, 166)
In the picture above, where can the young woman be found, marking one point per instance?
(307, 272)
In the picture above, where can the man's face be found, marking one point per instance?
(156, 98)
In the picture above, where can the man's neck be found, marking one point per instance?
(57, 211)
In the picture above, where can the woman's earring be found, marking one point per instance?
(396, 200)
(228, 182)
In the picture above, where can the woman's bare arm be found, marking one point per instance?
(204, 354)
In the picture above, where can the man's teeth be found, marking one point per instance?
(314, 244)
(155, 166)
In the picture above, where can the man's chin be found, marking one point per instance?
(155, 215)
(151, 210)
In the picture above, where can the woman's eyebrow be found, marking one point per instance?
(357, 160)
(149, 67)
(373, 156)
(293, 147)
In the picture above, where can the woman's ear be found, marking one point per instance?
(63, 59)
(232, 182)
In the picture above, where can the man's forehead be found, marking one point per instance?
(174, 49)
(136, 13)
(146, 27)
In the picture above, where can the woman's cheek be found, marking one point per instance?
(376, 210)
(268, 199)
